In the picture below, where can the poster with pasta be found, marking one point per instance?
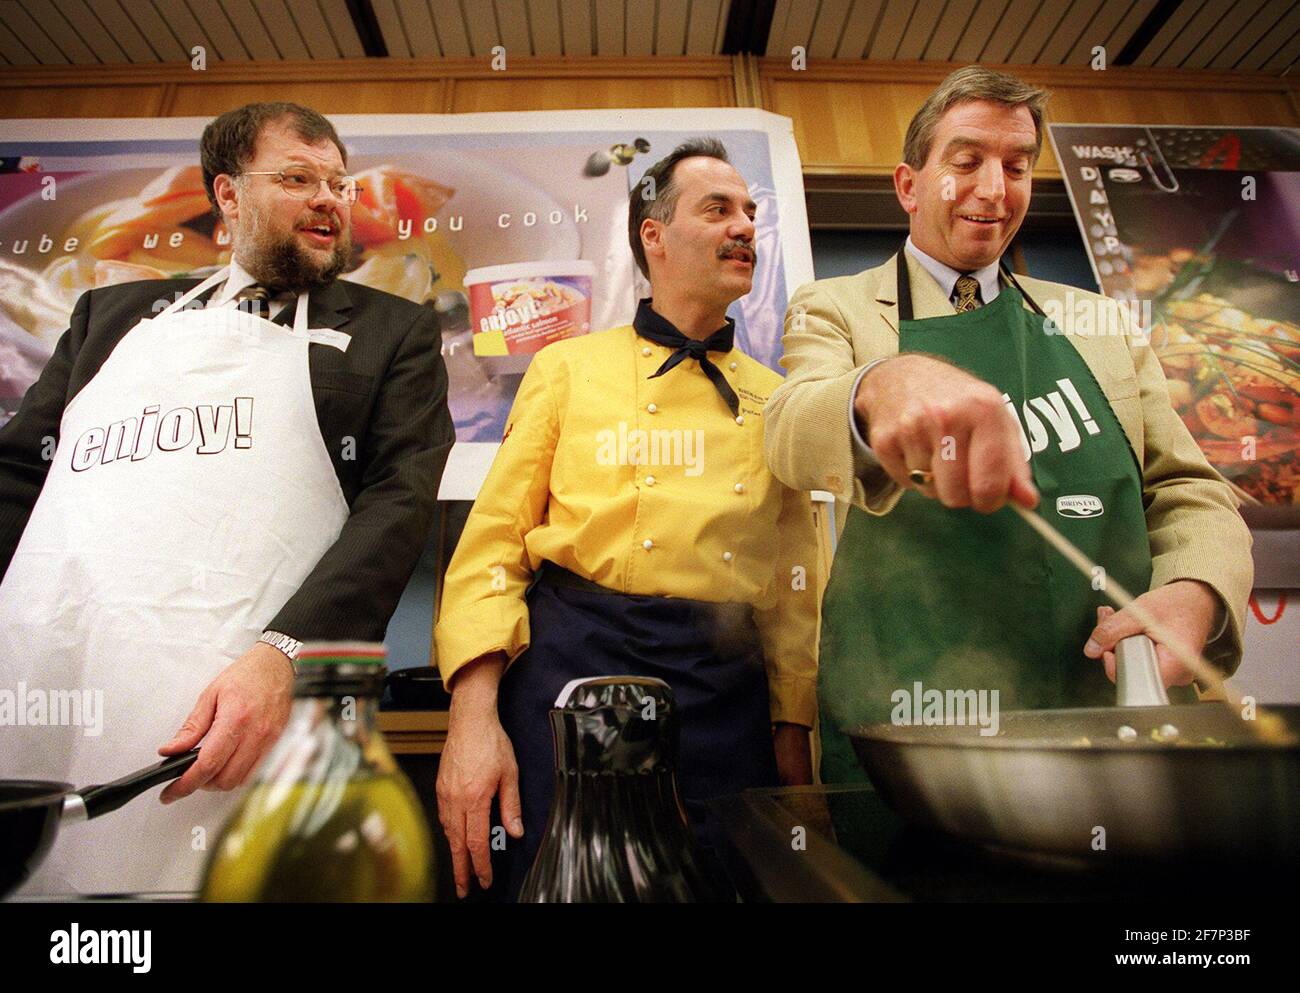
(512, 227)
(1197, 230)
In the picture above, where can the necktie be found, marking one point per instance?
(652, 327)
(968, 294)
(256, 300)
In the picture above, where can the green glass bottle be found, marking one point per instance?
(329, 816)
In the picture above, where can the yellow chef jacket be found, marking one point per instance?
(645, 486)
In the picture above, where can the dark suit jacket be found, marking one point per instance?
(387, 392)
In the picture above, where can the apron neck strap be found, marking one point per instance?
(905, 287)
(300, 326)
(215, 279)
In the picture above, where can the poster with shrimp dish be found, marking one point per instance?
(1197, 230)
(511, 227)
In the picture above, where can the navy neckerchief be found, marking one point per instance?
(653, 327)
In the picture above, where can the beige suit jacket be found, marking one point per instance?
(835, 327)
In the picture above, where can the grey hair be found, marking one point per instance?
(661, 202)
(962, 86)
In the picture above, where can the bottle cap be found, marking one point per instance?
(342, 653)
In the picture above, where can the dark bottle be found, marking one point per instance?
(617, 832)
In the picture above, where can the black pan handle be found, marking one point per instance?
(96, 800)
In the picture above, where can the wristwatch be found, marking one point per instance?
(282, 642)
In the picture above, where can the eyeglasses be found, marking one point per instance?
(302, 184)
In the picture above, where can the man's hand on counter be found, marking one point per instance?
(477, 765)
(920, 412)
(793, 754)
(238, 717)
(1186, 606)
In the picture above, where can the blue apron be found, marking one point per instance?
(709, 653)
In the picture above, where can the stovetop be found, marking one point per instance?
(832, 843)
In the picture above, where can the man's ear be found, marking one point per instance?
(905, 186)
(652, 240)
(225, 190)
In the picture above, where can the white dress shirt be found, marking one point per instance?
(864, 458)
(227, 293)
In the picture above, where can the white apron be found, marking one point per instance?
(189, 496)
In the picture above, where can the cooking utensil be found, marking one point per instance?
(1100, 786)
(32, 810)
(1267, 726)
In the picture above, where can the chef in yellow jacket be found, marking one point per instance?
(629, 525)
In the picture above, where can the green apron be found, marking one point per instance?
(958, 600)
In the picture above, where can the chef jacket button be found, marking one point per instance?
(740, 487)
(645, 351)
(726, 556)
(649, 480)
(647, 544)
(652, 408)
(732, 367)
(740, 418)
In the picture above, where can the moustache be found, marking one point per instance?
(739, 246)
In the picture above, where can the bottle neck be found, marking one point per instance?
(354, 717)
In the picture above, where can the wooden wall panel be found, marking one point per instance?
(849, 116)
(81, 101)
(481, 95)
(406, 97)
(851, 119)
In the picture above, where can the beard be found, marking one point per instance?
(280, 263)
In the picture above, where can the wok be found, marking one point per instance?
(1064, 783)
(32, 810)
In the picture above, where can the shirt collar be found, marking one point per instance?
(946, 276)
(238, 280)
(649, 323)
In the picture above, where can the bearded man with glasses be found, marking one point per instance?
(244, 466)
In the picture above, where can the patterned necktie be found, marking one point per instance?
(968, 294)
(256, 300)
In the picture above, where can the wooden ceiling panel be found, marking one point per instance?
(609, 27)
(341, 28)
(670, 32)
(1080, 15)
(1170, 30)
(417, 25)
(575, 27)
(702, 36)
(453, 35)
(34, 38)
(544, 23)
(254, 32)
(56, 26)
(187, 30)
(1036, 34)
(512, 22)
(978, 31)
(1272, 43)
(160, 35)
(91, 30)
(952, 28)
(1009, 30)
(1098, 33)
(639, 29)
(391, 27)
(832, 16)
(1195, 31)
(889, 32)
(859, 28)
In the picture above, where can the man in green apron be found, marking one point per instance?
(932, 391)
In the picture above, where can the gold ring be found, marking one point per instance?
(920, 477)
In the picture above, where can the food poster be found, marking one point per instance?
(512, 227)
(1198, 230)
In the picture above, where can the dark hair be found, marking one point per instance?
(962, 86)
(230, 142)
(655, 193)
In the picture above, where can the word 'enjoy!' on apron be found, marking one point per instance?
(958, 600)
(190, 495)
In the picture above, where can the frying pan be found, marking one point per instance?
(31, 811)
(1206, 787)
